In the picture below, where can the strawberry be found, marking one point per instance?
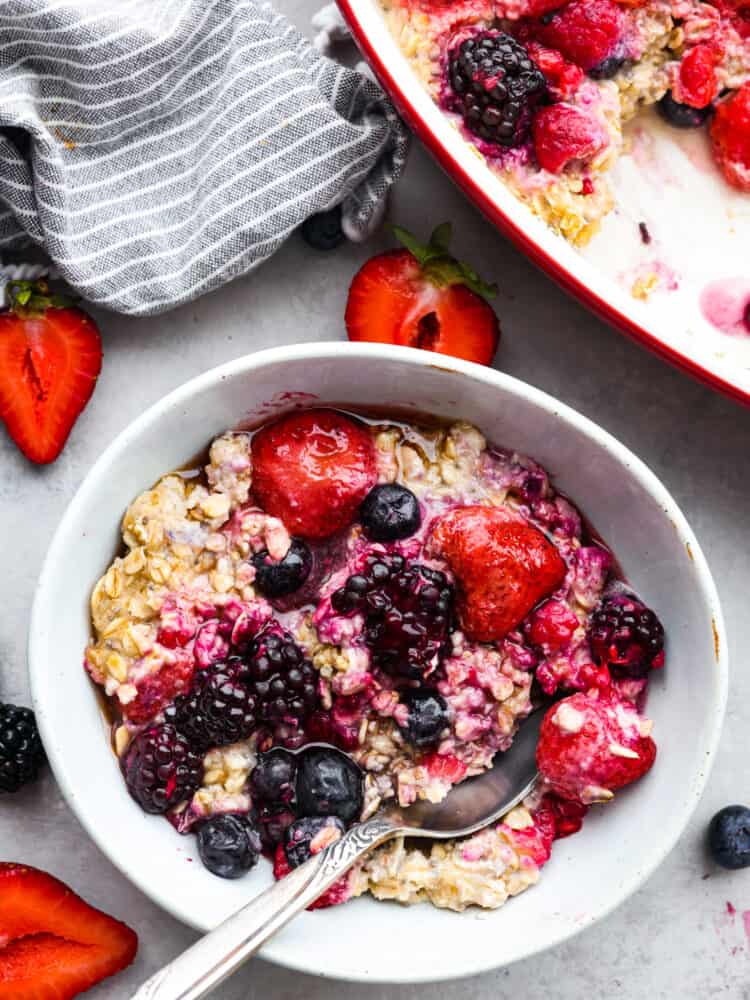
(50, 357)
(337, 893)
(445, 767)
(423, 297)
(53, 945)
(503, 566)
(562, 134)
(313, 469)
(730, 135)
(155, 691)
(591, 744)
(697, 77)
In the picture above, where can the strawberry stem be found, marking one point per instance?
(438, 265)
(33, 298)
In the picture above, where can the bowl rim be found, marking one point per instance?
(491, 378)
(519, 226)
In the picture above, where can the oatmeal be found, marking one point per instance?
(392, 589)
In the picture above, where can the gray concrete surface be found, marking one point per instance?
(673, 938)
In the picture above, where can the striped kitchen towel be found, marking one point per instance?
(155, 149)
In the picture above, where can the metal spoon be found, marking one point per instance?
(469, 807)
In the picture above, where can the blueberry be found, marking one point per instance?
(427, 718)
(323, 231)
(229, 845)
(300, 835)
(681, 115)
(272, 780)
(390, 511)
(329, 784)
(729, 837)
(276, 579)
(607, 68)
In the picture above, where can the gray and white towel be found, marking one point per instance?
(155, 149)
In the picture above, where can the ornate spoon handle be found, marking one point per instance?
(213, 958)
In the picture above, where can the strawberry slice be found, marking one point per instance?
(313, 469)
(50, 357)
(53, 945)
(422, 297)
(503, 565)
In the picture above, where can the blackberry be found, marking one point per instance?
(329, 783)
(21, 750)
(427, 717)
(496, 85)
(283, 681)
(607, 68)
(272, 780)
(626, 636)
(219, 709)
(277, 579)
(323, 231)
(407, 613)
(681, 115)
(229, 845)
(729, 837)
(301, 835)
(161, 768)
(389, 512)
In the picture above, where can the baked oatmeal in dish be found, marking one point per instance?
(543, 89)
(398, 589)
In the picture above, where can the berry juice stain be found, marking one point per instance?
(726, 305)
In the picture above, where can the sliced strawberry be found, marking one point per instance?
(422, 297)
(730, 135)
(697, 77)
(445, 767)
(562, 134)
(313, 469)
(50, 357)
(57, 946)
(503, 565)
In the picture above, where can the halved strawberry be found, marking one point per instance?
(313, 469)
(53, 945)
(50, 357)
(422, 297)
(503, 566)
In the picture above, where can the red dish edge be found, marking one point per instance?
(570, 284)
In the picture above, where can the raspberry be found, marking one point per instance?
(730, 135)
(161, 769)
(284, 683)
(563, 134)
(592, 744)
(407, 610)
(155, 691)
(626, 636)
(21, 750)
(552, 626)
(587, 32)
(495, 85)
(563, 77)
(220, 709)
(697, 78)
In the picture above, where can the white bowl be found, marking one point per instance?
(589, 874)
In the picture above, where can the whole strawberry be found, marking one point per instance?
(50, 357)
(423, 297)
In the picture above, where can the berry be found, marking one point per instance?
(50, 358)
(445, 768)
(229, 845)
(495, 86)
(284, 683)
(54, 945)
(220, 709)
(681, 115)
(697, 77)
(607, 68)
(427, 717)
(563, 77)
(592, 744)
(730, 135)
(161, 769)
(587, 32)
(277, 579)
(422, 297)
(407, 610)
(390, 512)
(626, 636)
(21, 750)
(504, 566)
(313, 469)
(567, 816)
(155, 691)
(323, 231)
(551, 626)
(329, 783)
(563, 134)
(309, 835)
(272, 780)
(729, 837)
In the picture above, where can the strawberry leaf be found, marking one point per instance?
(438, 265)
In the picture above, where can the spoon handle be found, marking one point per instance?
(213, 958)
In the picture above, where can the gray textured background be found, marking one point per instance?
(674, 937)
